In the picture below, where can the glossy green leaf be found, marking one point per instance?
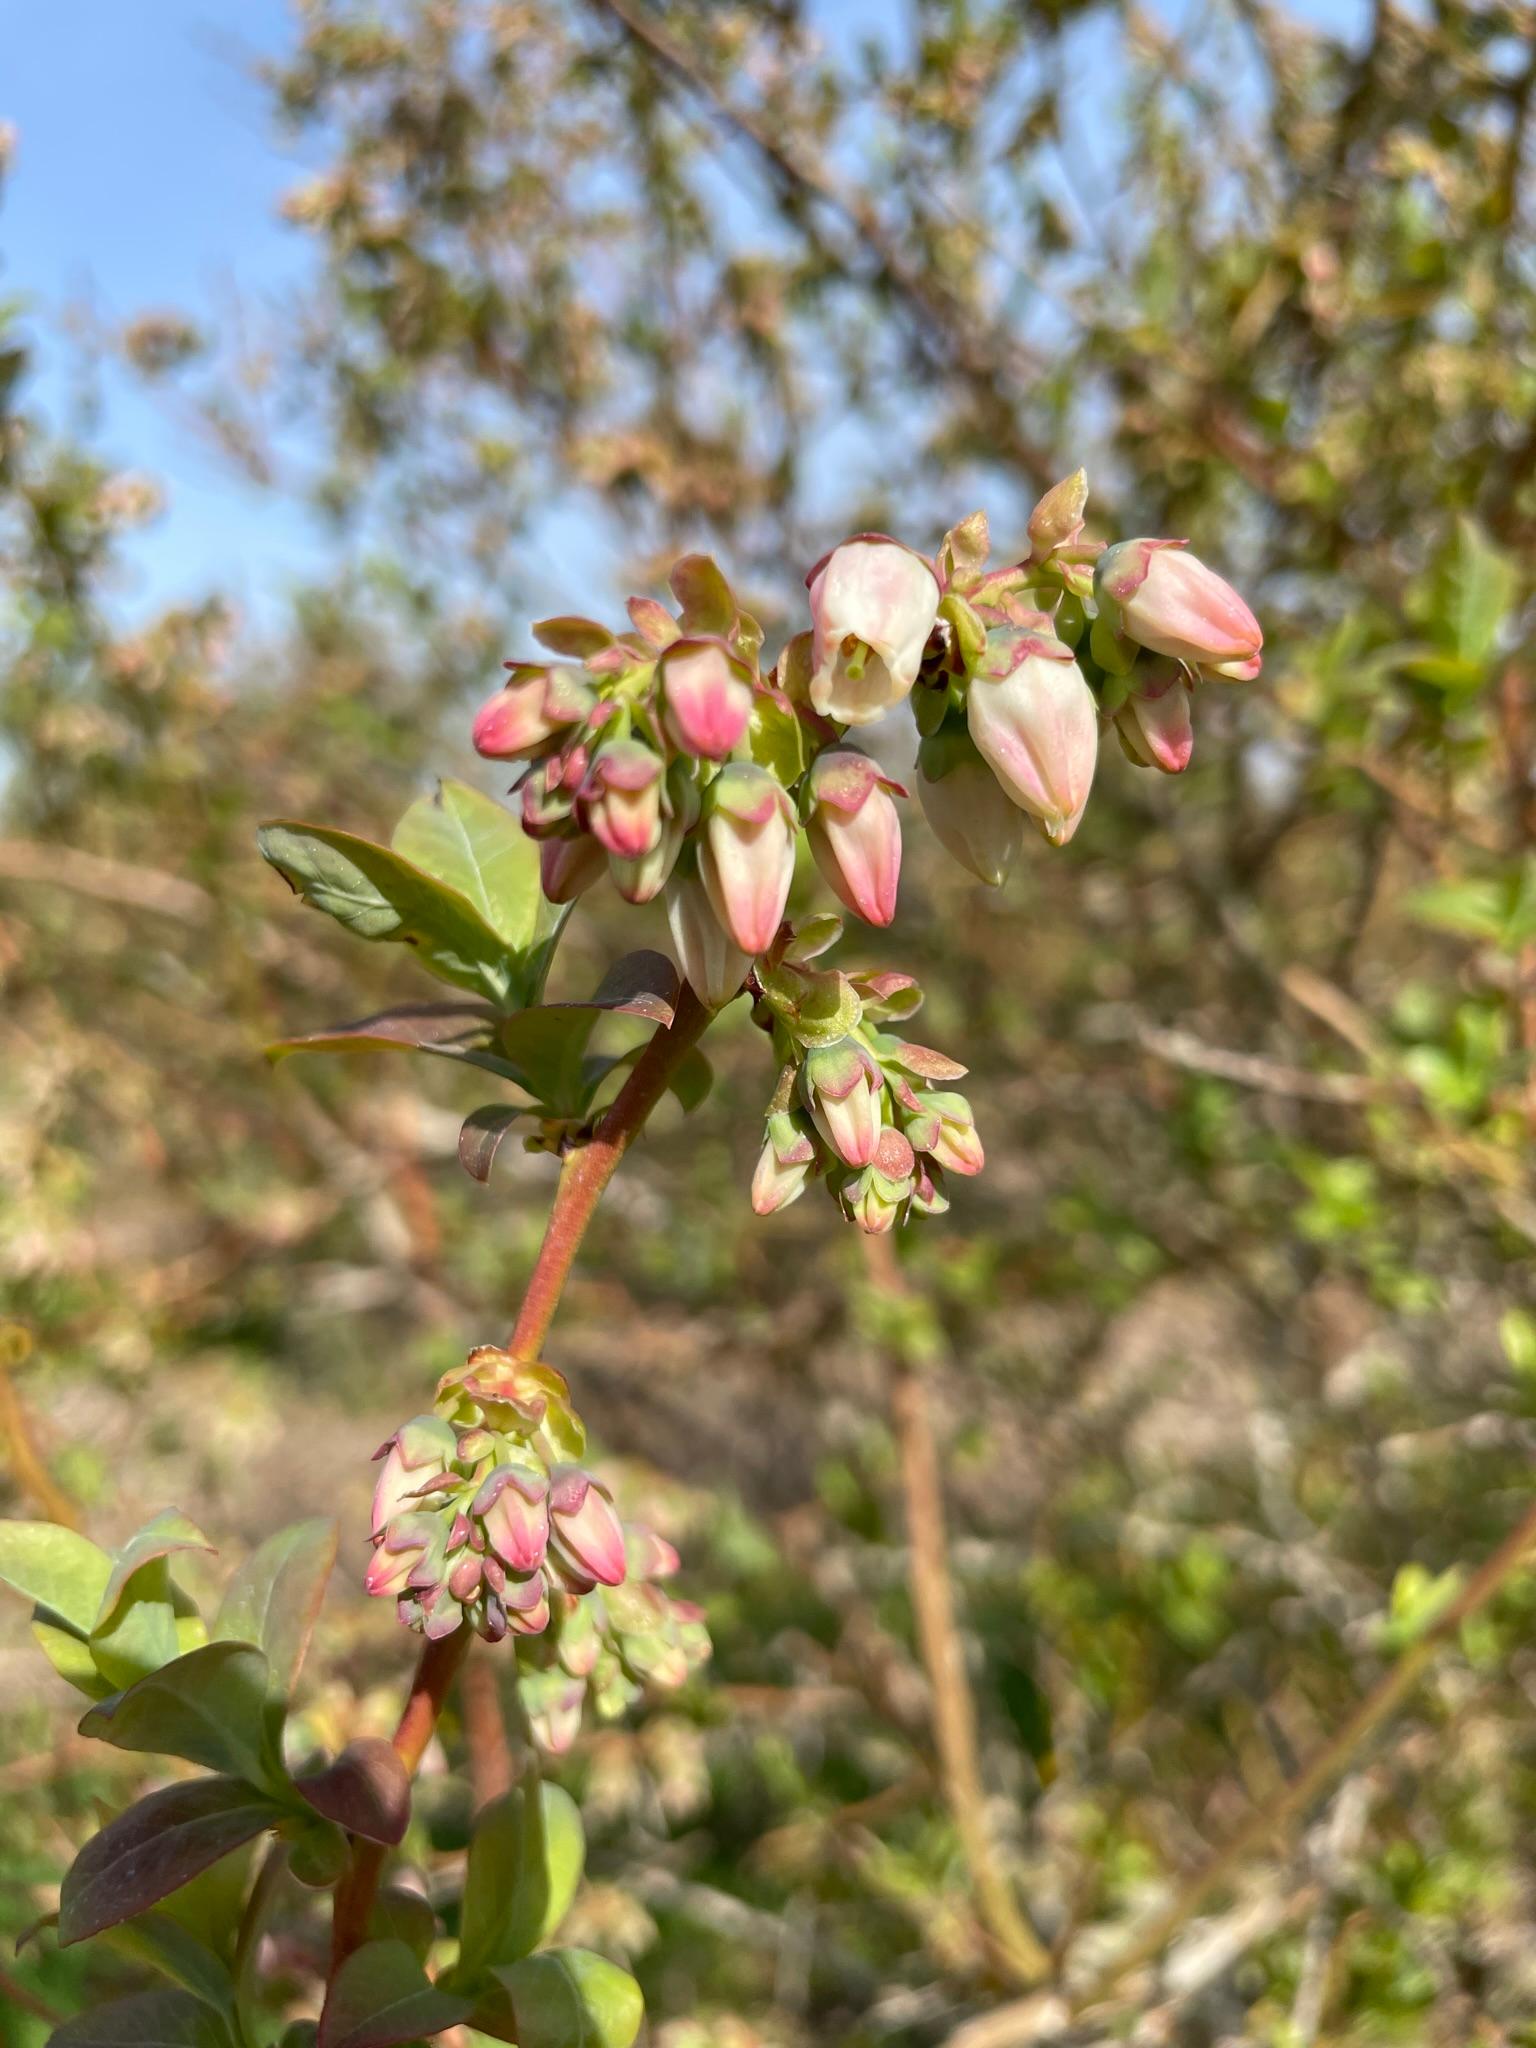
(154, 1848)
(209, 1707)
(378, 895)
(570, 1998)
(138, 1635)
(403, 1915)
(169, 1532)
(381, 1996)
(526, 1857)
(56, 1569)
(478, 847)
(548, 1046)
(274, 1597)
(150, 2019)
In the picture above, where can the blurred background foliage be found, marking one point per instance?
(1233, 1348)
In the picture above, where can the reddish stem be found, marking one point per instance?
(587, 1171)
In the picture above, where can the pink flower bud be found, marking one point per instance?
(855, 832)
(875, 1200)
(584, 1529)
(389, 1571)
(706, 697)
(1034, 722)
(529, 710)
(621, 798)
(511, 1508)
(642, 880)
(417, 1453)
(1154, 724)
(569, 867)
(709, 959)
(784, 1165)
(945, 1130)
(972, 816)
(747, 854)
(928, 1196)
(844, 1091)
(873, 605)
(1167, 600)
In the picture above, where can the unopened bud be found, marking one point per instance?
(855, 832)
(1168, 601)
(1154, 724)
(706, 696)
(1033, 719)
(747, 853)
(973, 817)
(585, 1533)
(784, 1164)
(843, 1089)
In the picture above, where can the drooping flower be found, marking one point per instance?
(945, 1130)
(1033, 719)
(784, 1164)
(535, 704)
(873, 606)
(586, 1536)
(710, 960)
(1155, 726)
(1168, 601)
(843, 1089)
(747, 853)
(877, 1197)
(621, 798)
(706, 697)
(855, 832)
(568, 867)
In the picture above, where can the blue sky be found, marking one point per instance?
(147, 175)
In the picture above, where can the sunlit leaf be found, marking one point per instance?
(209, 1707)
(381, 1996)
(526, 1857)
(568, 1998)
(274, 1597)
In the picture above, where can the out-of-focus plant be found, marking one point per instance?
(671, 758)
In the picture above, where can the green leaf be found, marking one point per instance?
(378, 895)
(165, 1945)
(57, 1570)
(150, 2019)
(274, 1597)
(777, 739)
(525, 1861)
(451, 1031)
(72, 1659)
(478, 847)
(209, 1707)
(169, 1532)
(691, 1080)
(402, 1915)
(1471, 593)
(547, 1046)
(704, 595)
(381, 1996)
(156, 1847)
(571, 1998)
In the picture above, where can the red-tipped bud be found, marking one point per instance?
(855, 832)
(747, 853)
(569, 867)
(873, 605)
(710, 961)
(1155, 726)
(878, 1197)
(417, 1453)
(1167, 600)
(621, 798)
(945, 1130)
(706, 697)
(1033, 719)
(843, 1089)
(524, 716)
(511, 1508)
(785, 1163)
(584, 1529)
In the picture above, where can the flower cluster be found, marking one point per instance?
(865, 1110)
(670, 759)
(483, 1513)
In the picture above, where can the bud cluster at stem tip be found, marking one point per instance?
(668, 758)
(484, 1516)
